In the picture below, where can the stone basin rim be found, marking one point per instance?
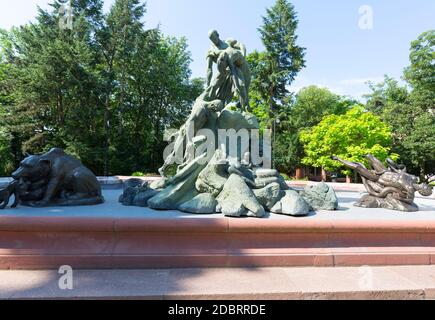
(214, 225)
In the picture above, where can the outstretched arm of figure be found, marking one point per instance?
(360, 168)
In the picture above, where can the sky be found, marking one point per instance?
(340, 54)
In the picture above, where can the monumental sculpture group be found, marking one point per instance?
(216, 173)
(218, 180)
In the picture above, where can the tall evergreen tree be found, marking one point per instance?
(273, 71)
(284, 58)
(117, 39)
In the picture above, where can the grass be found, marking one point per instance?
(141, 174)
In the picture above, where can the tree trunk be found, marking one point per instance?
(106, 135)
(324, 175)
(300, 174)
(422, 171)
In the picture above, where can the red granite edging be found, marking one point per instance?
(49, 242)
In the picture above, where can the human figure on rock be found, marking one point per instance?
(234, 74)
(382, 181)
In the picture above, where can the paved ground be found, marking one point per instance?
(214, 284)
(113, 209)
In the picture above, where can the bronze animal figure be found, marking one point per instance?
(7, 193)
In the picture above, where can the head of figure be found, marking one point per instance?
(424, 189)
(232, 43)
(216, 105)
(32, 168)
(214, 37)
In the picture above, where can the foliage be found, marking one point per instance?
(308, 109)
(273, 70)
(277, 67)
(420, 143)
(410, 112)
(138, 174)
(420, 74)
(105, 90)
(350, 136)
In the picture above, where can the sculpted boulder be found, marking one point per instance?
(264, 177)
(204, 203)
(237, 120)
(180, 189)
(292, 204)
(237, 199)
(137, 193)
(131, 188)
(213, 178)
(269, 196)
(321, 197)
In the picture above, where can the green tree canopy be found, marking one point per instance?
(350, 136)
(309, 107)
(420, 74)
(105, 90)
(409, 110)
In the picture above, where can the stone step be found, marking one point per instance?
(400, 282)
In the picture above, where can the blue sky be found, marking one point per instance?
(340, 55)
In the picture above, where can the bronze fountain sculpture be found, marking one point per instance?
(215, 175)
(52, 179)
(389, 187)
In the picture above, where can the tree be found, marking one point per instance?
(410, 112)
(117, 40)
(273, 70)
(385, 96)
(420, 74)
(421, 144)
(311, 105)
(276, 68)
(50, 69)
(6, 155)
(105, 90)
(350, 136)
(159, 96)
